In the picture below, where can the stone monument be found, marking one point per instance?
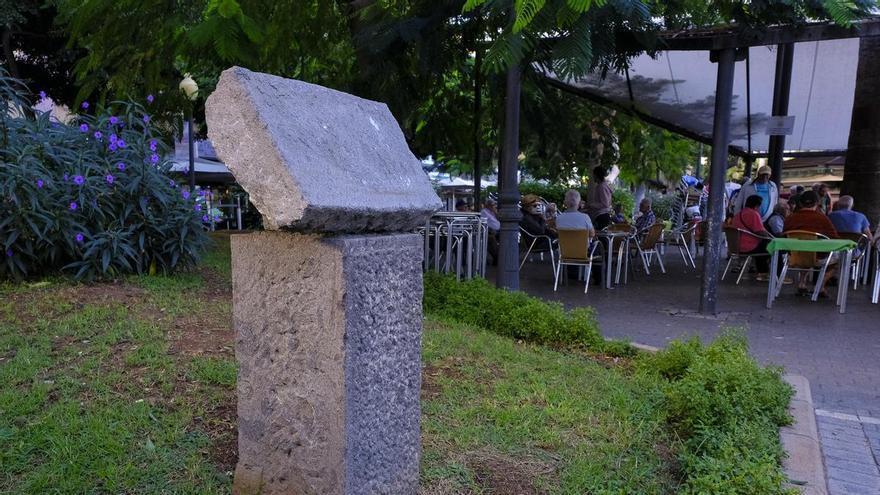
(327, 301)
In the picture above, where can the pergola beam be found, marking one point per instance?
(719, 39)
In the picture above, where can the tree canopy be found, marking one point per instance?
(438, 64)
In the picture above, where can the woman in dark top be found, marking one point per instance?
(599, 199)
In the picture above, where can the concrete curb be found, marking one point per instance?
(803, 464)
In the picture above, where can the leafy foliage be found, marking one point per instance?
(93, 198)
(724, 409)
(511, 314)
(727, 410)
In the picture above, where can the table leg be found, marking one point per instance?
(610, 256)
(772, 279)
(845, 288)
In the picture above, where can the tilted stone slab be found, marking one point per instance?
(328, 340)
(314, 159)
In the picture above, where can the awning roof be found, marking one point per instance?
(676, 90)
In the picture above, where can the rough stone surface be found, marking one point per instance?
(315, 159)
(328, 338)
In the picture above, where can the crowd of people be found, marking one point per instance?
(760, 213)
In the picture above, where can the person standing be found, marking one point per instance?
(824, 204)
(760, 186)
(599, 199)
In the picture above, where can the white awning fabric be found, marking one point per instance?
(678, 88)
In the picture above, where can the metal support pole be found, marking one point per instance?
(781, 90)
(238, 211)
(508, 211)
(192, 153)
(698, 171)
(726, 59)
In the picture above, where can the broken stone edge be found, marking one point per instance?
(299, 216)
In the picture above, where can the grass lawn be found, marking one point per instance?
(128, 387)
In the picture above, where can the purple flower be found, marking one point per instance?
(146, 119)
(78, 180)
(154, 158)
(39, 183)
(84, 127)
(120, 166)
(205, 218)
(73, 205)
(98, 135)
(113, 147)
(66, 177)
(85, 105)
(109, 179)
(150, 98)
(42, 95)
(114, 120)
(120, 143)
(9, 253)
(201, 193)
(152, 145)
(185, 194)
(198, 207)
(79, 237)
(113, 137)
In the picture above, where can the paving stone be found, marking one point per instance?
(854, 477)
(858, 467)
(837, 487)
(860, 445)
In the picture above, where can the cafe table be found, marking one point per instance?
(610, 236)
(843, 247)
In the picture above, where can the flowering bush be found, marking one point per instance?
(92, 198)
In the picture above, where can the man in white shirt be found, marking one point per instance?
(571, 218)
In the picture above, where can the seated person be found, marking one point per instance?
(776, 222)
(532, 220)
(749, 219)
(617, 216)
(646, 217)
(490, 213)
(462, 205)
(571, 218)
(846, 220)
(809, 218)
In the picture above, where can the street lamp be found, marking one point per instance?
(191, 90)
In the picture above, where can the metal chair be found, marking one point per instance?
(804, 262)
(682, 239)
(733, 250)
(536, 244)
(647, 247)
(575, 250)
(863, 245)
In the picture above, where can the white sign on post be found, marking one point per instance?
(780, 125)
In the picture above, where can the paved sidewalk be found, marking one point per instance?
(837, 353)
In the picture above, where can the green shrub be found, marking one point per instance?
(512, 314)
(92, 197)
(623, 197)
(662, 206)
(727, 410)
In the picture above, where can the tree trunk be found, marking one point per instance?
(861, 178)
